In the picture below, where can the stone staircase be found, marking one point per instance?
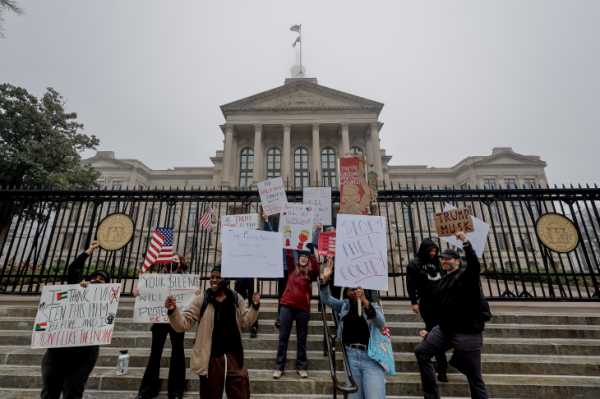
(525, 356)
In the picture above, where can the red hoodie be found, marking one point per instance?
(298, 289)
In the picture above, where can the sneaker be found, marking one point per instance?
(302, 373)
(253, 333)
(278, 374)
(277, 323)
(442, 377)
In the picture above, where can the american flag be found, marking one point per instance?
(297, 41)
(206, 218)
(160, 249)
(295, 28)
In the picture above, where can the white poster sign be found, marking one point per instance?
(249, 221)
(71, 315)
(319, 198)
(296, 223)
(361, 252)
(154, 291)
(272, 195)
(477, 238)
(251, 253)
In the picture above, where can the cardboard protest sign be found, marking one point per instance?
(296, 222)
(361, 252)
(154, 291)
(249, 221)
(272, 195)
(478, 237)
(251, 253)
(327, 243)
(71, 315)
(319, 198)
(353, 186)
(449, 222)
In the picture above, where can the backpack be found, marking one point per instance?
(205, 303)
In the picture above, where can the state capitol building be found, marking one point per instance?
(299, 131)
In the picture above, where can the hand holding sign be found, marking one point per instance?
(170, 303)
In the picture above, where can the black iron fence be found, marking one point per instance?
(42, 231)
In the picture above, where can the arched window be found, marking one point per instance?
(273, 163)
(301, 167)
(355, 150)
(246, 167)
(328, 167)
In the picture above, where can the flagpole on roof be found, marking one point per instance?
(300, 73)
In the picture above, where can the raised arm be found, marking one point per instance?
(249, 314)
(473, 268)
(315, 237)
(268, 226)
(183, 321)
(315, 269)
(290, 261)
(75, 271)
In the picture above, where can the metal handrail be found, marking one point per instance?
(330, 339)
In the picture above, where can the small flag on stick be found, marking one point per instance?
(160, 249)
(206, 218)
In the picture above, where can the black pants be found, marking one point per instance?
(281, 284)
(245, 287)
(466, 359)
(429, 316)
(66, 370)
(151, 381)
(287, 317)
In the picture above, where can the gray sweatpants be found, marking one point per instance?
(466, 359)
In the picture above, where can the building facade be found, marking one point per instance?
(298, 131)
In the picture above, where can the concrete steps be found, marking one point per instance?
(525, 356)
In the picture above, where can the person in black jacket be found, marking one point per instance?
(423, 276)
(67, 370)
(461, 323)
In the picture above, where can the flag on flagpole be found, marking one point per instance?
(206, 218)
(160, 249)
(295, 28)
(297, 41)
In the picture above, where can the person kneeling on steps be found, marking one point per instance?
(218, 349)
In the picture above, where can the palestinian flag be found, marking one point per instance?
(40, 326)
(61, 295)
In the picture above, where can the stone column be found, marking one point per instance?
(374, 127)
(235, 162)
(344, 128)
(227, 154)
(315, 172)
(369, 149)
(286, 166)
(258, 154)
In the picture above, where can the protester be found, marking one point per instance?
(423, 276)
(151, 381)
(461, 323)
(335, 291)
(295, 305)
(218, 350)
(67, 369)
(354, 332)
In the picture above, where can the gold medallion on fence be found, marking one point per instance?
(115, 231)
(557, 232)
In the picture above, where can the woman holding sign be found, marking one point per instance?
(67, 370)
(354, 332)
(295, 305)
(151, 381)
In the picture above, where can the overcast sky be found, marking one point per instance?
(148, 77)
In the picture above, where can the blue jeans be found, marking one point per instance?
(367, 373)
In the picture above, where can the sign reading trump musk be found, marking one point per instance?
(361, 252)
(71, 315)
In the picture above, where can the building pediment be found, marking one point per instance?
(509, 158)
(105, 162)
(301, 95)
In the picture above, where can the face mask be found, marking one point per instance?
(173, 266)
(96, 282)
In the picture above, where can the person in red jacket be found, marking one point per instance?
(295, 305)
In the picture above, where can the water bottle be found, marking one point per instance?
(122, 363)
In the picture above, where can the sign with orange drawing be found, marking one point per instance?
(355, 192)
(296, 221)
